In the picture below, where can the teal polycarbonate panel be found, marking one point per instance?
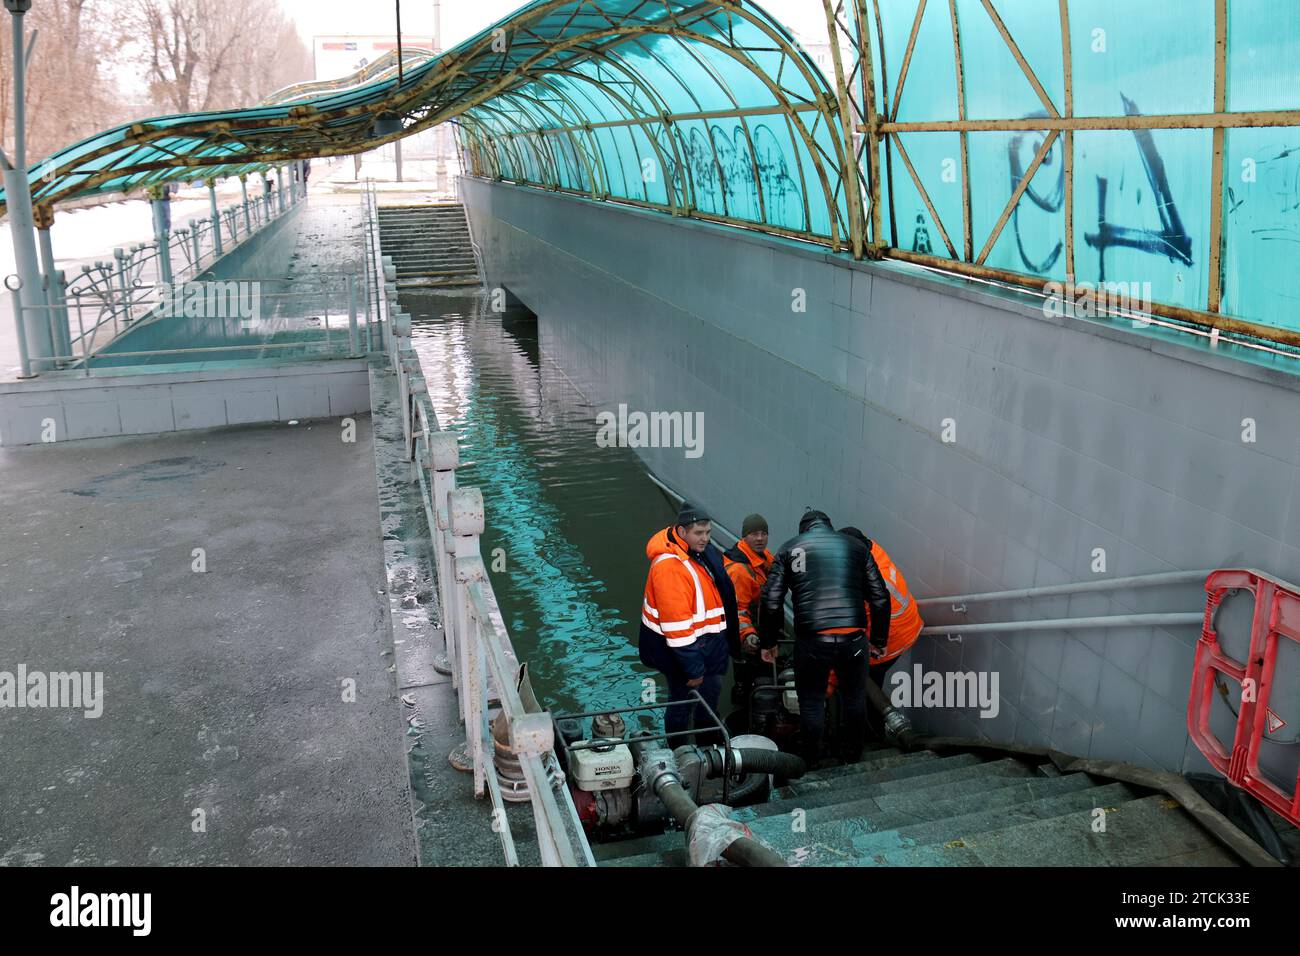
(930, 87)
(1263, 60)
(679, 104)
(782, 177)
(996, 86)
(1158, 57)
(1143, 198)
(1142, 211)
(1033, 239)
(1261, 225)
(936, 157)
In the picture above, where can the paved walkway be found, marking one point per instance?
(224, 691)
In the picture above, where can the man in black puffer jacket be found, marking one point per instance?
(832, 579)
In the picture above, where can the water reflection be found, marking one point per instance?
(570, 519)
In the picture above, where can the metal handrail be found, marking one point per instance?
(111, 288)
(958, 604)
(1103, 584)
(337, 303)
(112, 297)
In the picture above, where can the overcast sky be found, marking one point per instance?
(461, 19)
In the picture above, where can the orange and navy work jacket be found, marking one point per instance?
(684, 623)
(748, 572)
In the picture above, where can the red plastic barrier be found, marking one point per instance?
(1276, 618)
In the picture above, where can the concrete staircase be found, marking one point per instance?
(923, 809)
(430, 244)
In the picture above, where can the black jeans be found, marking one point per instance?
(813, 662)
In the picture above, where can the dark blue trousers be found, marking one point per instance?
(679, 718)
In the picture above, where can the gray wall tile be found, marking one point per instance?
(1067, 439)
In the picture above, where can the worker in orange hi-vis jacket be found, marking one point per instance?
(904, 620)
(688, 617)
(747, 565)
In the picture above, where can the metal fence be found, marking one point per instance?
(88, 312)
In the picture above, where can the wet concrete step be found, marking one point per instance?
(642, 846)
(871, 785)
(883, 813)
(927, 791)
(866, 776)
(827, 842)
(461, 278)
(441, 261)
(876, 761)
(438, 253)
(407, 222)
(429, 210)
(1151, 831)
(424, 238)
(834, 802)
(886, 811)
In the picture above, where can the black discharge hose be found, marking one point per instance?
(744, 851)
(750, 767)
(755, 760)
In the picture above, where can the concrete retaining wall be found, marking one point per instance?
(140, 403)
(1069, 436)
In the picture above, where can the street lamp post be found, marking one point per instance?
(18, 199)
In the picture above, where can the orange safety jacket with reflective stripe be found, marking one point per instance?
(748, 572)
(681, 602)
(904, 617)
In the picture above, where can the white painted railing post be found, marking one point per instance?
(444, 458)
(465, 513)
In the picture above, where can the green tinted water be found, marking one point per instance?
(567, 521)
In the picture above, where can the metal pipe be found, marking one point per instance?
(60, 339)
(1072, 623)
(60, 296)
(354, 340)
(243, 191)
(1105, 584)
(120, 255)
(216, 217)
(16, 301)
(162, 233)
(18, 198)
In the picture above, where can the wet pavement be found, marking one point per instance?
(249, 709)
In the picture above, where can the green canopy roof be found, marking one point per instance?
(614, 98)
(1053, 144)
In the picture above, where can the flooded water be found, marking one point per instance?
(571, 519)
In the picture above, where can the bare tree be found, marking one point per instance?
(215, 54)
(68, 95)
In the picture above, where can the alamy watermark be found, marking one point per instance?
(82, 690)
(922, 688)
(130, 910)
(211, 300)
(1084, 300)
(636, 429)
